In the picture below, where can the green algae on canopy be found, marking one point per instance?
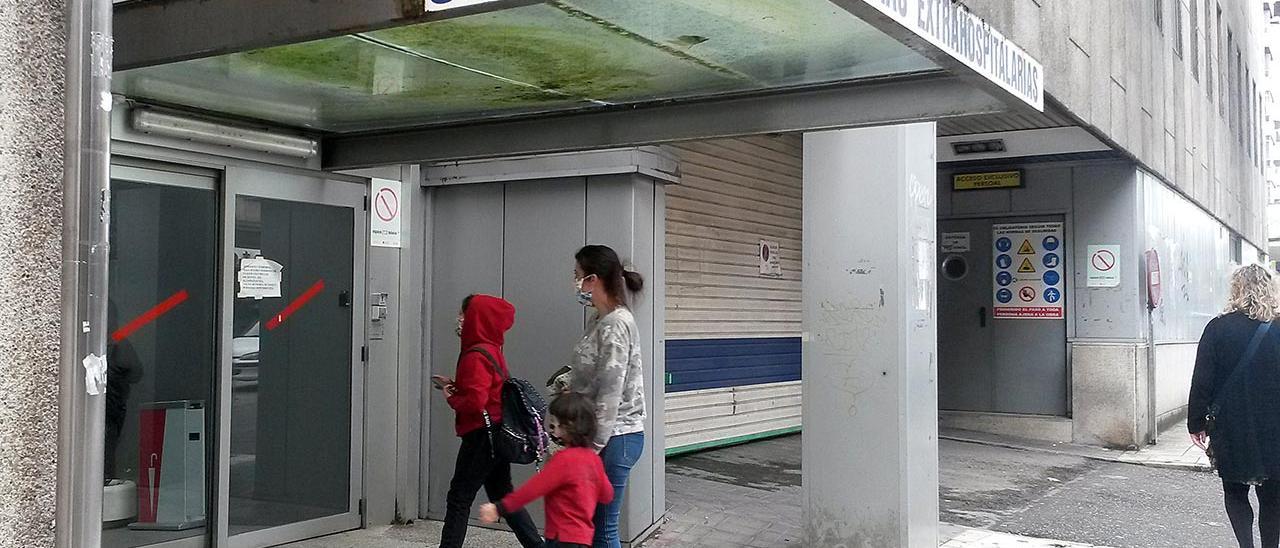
(544, 46)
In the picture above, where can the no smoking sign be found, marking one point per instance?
(1104, 266)
(385, 204)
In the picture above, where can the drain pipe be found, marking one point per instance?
(85, 217)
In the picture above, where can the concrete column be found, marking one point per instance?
(32, 63)
(870, 450)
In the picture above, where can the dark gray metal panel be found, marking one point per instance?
(1029, 357)
(381, 383)
(1008, 366)
(1045, 188)
(980, 201)
(657, 364)
(620, 214)
(413, 322)
(166, 31)
(466, 234)
(545, 225)
(898, 100)
(965, 327)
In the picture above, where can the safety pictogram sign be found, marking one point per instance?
(1104, 266)
(1029, 287)
(1027, 294)
(387, 209)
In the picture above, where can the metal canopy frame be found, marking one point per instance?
(931, 96)
(226, 26)
(167, 31)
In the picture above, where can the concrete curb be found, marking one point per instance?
(1071, 450)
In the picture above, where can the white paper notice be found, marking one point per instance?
(1104, 266)
(955, 242)
(95, 374)
(770, 261)
(259, 278)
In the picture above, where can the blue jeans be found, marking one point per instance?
(619, 455)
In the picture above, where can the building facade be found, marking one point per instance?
(855, 217)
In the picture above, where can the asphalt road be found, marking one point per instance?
(1022, 492)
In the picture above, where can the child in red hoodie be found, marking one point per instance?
(482, 324)
(573, 480)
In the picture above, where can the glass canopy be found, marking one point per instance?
(558, 55)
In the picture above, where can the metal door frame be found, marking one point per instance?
(138, 170)
(316, 189)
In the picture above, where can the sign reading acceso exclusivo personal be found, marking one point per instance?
(1028, 282)
(972, 41)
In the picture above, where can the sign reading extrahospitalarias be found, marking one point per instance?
(972, 41)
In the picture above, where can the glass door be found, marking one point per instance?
(292, 371)
(162, 355)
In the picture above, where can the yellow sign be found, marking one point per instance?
(1026, 267)
(1026, 249)
(995, 179)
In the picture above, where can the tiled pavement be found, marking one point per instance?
(754, 502)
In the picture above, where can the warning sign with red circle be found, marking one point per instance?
(386, 208)
(1104, 266)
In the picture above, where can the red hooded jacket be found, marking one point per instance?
(476, 388)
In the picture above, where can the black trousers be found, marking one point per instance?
(477, 467)
(1240, 512)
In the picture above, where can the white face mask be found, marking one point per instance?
(584, 297)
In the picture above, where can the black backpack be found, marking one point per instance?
(521, 437)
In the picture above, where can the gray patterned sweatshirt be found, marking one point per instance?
(606, 369)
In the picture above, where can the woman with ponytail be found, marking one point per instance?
(606, 369)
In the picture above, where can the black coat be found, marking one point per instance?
(1245, 437)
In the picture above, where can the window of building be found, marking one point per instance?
(1224, 61)
(1256, 131)
(1195, 39)
(1209, 51)
(1238, 82)
(1250, 139)
(1237, 248)
(1177, 28)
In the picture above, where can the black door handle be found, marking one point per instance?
(982, 316)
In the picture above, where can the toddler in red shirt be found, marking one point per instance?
(573, 481)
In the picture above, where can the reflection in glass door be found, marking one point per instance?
(293, 443)
(162, 311)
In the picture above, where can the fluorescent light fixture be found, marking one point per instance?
(978, 147)
(213, 133)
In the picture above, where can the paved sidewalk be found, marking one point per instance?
(952, 536)
(1173, 449)
(427, 534)
(750, 496)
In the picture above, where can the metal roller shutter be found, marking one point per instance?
(733, 346)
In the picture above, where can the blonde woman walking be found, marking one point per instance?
(1233, 412)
